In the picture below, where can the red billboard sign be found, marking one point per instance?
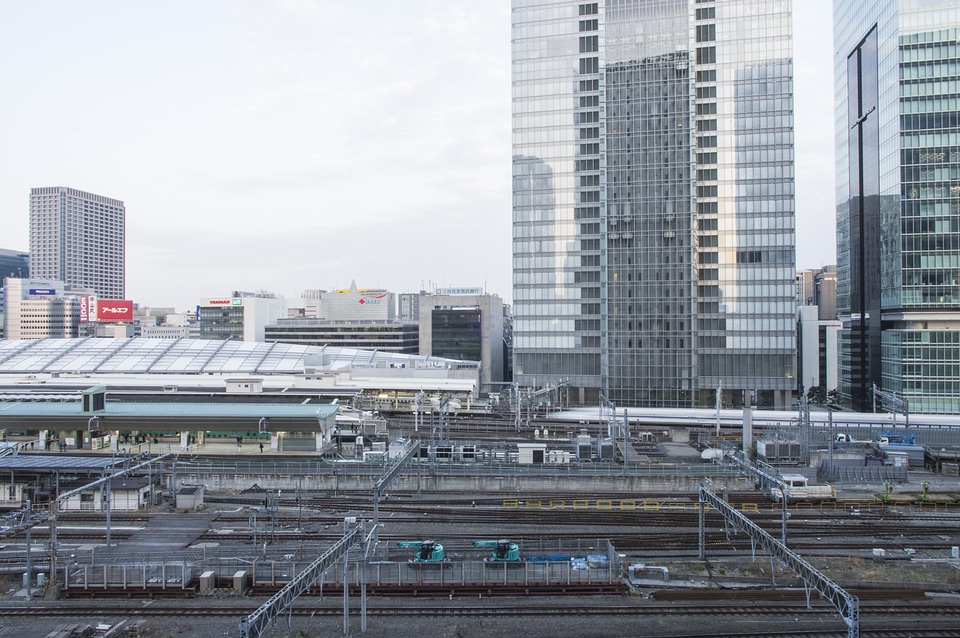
(115, 310)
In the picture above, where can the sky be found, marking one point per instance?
(287, 145)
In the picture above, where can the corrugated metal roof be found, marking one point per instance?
(54, 462)
(172, 410)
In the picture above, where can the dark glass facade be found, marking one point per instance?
(898, 218)
(398, 337)
(860, 338)
(220, 322)
(14, 264)
(456, 333)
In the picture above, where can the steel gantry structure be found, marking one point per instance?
(379, 488)
(255, 624)
(102, 482)
(847, 604)
(252, 626)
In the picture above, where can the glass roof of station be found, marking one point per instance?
(92, 355)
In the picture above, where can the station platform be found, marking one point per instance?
(213, 446)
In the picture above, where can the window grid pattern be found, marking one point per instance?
(78, 238)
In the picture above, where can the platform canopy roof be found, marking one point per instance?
(168, 416)
(45, 462)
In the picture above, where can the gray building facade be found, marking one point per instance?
(653, 200)
(896, 73)
(78, 238)
(467, 327)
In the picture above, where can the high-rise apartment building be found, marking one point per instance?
(653, 200)
(898, 202)
(79, 239)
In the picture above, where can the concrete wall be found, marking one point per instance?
(622, 487)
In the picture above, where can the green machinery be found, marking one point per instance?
(428, 552)
(503, 551)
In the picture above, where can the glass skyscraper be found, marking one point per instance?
(653, 200)
(897, 84)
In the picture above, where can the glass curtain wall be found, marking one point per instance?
(557, 195)
(898, 220)
(653, 214)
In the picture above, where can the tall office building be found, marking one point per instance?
(653, 200)
(898, 202)
(79, 239)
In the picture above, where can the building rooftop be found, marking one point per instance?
(91, 355)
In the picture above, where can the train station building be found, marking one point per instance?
(183, 391)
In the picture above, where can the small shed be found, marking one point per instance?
(531, 453)
(190, 497)
(249, 385)
(126, 494)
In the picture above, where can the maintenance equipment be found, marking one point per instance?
(428, 552)
(503, 551)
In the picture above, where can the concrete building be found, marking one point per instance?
(465, 324)
(78, 238)
(409, 309)
(388, 336)
(825, 287)
(898, 221)
(653, 200)
(817, 350)
(243, 316)
(350, 318)
(39, 308)
(164, 332)
(358, 304)
(818, 287)
(164, 323)
(806, 295)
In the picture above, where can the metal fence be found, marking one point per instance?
(162, 576)
(449, 468)
(547, 562)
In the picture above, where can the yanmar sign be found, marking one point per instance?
(115, 310)
(224, 302)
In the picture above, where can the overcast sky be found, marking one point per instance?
(295, 144)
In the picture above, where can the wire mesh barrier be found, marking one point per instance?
(145, 576)
(544, 563)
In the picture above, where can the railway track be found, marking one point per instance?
(457, 608)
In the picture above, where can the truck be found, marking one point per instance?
(797, 488)
(897, 439)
